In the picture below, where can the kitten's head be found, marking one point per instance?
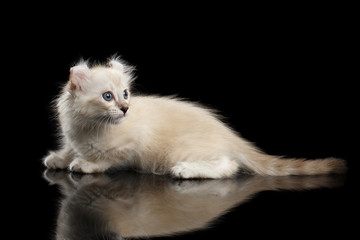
(100, 94)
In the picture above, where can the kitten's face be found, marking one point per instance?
(101, 94)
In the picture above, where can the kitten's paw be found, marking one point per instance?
(83, 166)
(85, 179)
(213, 168)
(53, 176)
(54, 161)
(184, 170)
(210, 188)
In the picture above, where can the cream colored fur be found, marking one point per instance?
(143, 206)
(161, 135)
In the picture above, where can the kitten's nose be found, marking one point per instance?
(124, 109)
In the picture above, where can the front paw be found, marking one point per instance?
(83, 166)
(54, 177)
(54, 161)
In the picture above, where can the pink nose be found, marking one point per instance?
(124, 108)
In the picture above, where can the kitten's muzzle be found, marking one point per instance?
(124, 108)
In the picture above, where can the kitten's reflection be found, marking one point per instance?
(139, 205)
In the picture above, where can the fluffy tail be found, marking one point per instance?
(264, 164)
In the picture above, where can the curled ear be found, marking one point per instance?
(78, 74)
(116, 64)
(119, 65)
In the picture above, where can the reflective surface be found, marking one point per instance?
(125, 205)
(283, 79)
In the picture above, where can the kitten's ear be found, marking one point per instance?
(117, 65)
(78, 74)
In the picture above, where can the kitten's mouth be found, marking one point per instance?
(118, 119)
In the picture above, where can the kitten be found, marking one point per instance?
(143, 206)
(103, 126)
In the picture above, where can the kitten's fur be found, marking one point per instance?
(162, 135)
(143, 206)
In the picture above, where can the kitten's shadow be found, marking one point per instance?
(127, 204)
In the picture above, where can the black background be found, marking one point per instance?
(283, 76)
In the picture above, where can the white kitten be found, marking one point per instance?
(145, 206)
(104, 126)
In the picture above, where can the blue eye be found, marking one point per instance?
(125, 94)
(107, 96)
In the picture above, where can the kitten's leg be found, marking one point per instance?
(221, 167)
(81, 165)
(59, 159)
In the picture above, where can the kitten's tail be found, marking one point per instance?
(264, 164)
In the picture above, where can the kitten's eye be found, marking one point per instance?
(125, 94)
(107, 96)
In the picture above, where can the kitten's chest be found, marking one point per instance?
(107, 149)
